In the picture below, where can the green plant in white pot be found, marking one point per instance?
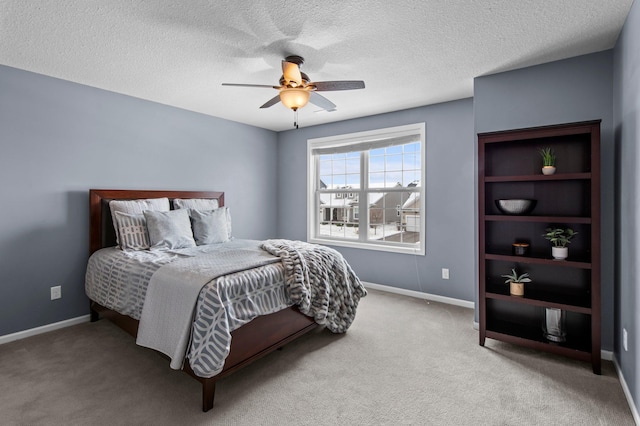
(559, 238)
(516, 282)
(548, 160)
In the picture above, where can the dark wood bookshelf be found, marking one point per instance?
(550, 219)
(570, 302)
(568, 263)
(509, 166)
(529, 178)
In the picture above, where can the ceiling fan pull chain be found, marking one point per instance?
(295, 118)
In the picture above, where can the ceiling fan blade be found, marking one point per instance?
(271, 102)
(250, 85)
(326, 86)
(291, 73)
(322, 102)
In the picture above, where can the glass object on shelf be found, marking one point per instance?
(553, 325)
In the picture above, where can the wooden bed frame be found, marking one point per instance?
(250, 342)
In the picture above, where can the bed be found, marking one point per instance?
(250, 338)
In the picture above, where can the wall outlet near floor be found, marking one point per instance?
(56, 292)
(624, 339)
(445, 273)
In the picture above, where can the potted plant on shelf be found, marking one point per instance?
(548, 160)
(516, 282)
(559, 238)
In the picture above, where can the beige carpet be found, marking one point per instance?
(404, 361)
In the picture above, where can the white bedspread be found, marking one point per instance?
(167, 314)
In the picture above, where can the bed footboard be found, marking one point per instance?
(249, 343)
(254, 340)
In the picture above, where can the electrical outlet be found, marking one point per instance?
(56, 292)
(624, 339)
(445, 273)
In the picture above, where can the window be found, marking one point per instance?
(379, 173)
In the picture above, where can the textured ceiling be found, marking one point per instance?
(409, 53)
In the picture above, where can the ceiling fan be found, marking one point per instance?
(296, 89)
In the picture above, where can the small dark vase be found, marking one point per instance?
(520, 249)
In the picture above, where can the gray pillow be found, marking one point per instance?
(132, 229)
(169, 230)
(196, 203)
(136, 207)
(211, 226)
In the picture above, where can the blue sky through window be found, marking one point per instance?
(387, 167)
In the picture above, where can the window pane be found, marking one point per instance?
(353, 165)
(353, 181)
(412, 147)
(339, 181)
(339, 167)
(376, 164)
(325, 167)
(339, 170)
(395, 165)
(393, 179)
(376, 180)
(338, 218)
(394, 149)
(393, 217)
(411, 161)
(411, 178)
(393, 162)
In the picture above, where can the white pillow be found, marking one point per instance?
(196, 203)
(136, 207)
(132, 229)
(211, 226)
(169, 230)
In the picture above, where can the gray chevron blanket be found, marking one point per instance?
(320, 281)
(167, 314)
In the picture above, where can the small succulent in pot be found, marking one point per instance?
(559, 237)
(548, 156)
(516, 282)
(548, 160)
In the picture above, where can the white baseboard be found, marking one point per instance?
(420, 295)
(627, 393)
(43, 329)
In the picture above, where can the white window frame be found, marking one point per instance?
(313, 198)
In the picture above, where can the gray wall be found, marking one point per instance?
(626, 112)
(450, 191)
(59, 139)
(575, 89)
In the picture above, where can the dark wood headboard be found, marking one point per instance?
(101, 232)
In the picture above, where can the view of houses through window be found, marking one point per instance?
(379, 175)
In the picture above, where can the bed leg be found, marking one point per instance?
(93, 314)
(208, 393)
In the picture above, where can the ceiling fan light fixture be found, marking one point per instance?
(294, 97)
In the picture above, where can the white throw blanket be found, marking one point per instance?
(167, 314)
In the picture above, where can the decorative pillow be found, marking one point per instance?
(136, 207)
(169, 230)
(132, 229)
(196, 203)
(211, 226)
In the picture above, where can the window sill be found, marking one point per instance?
(414, 250)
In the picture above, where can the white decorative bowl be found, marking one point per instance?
(515, 206)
